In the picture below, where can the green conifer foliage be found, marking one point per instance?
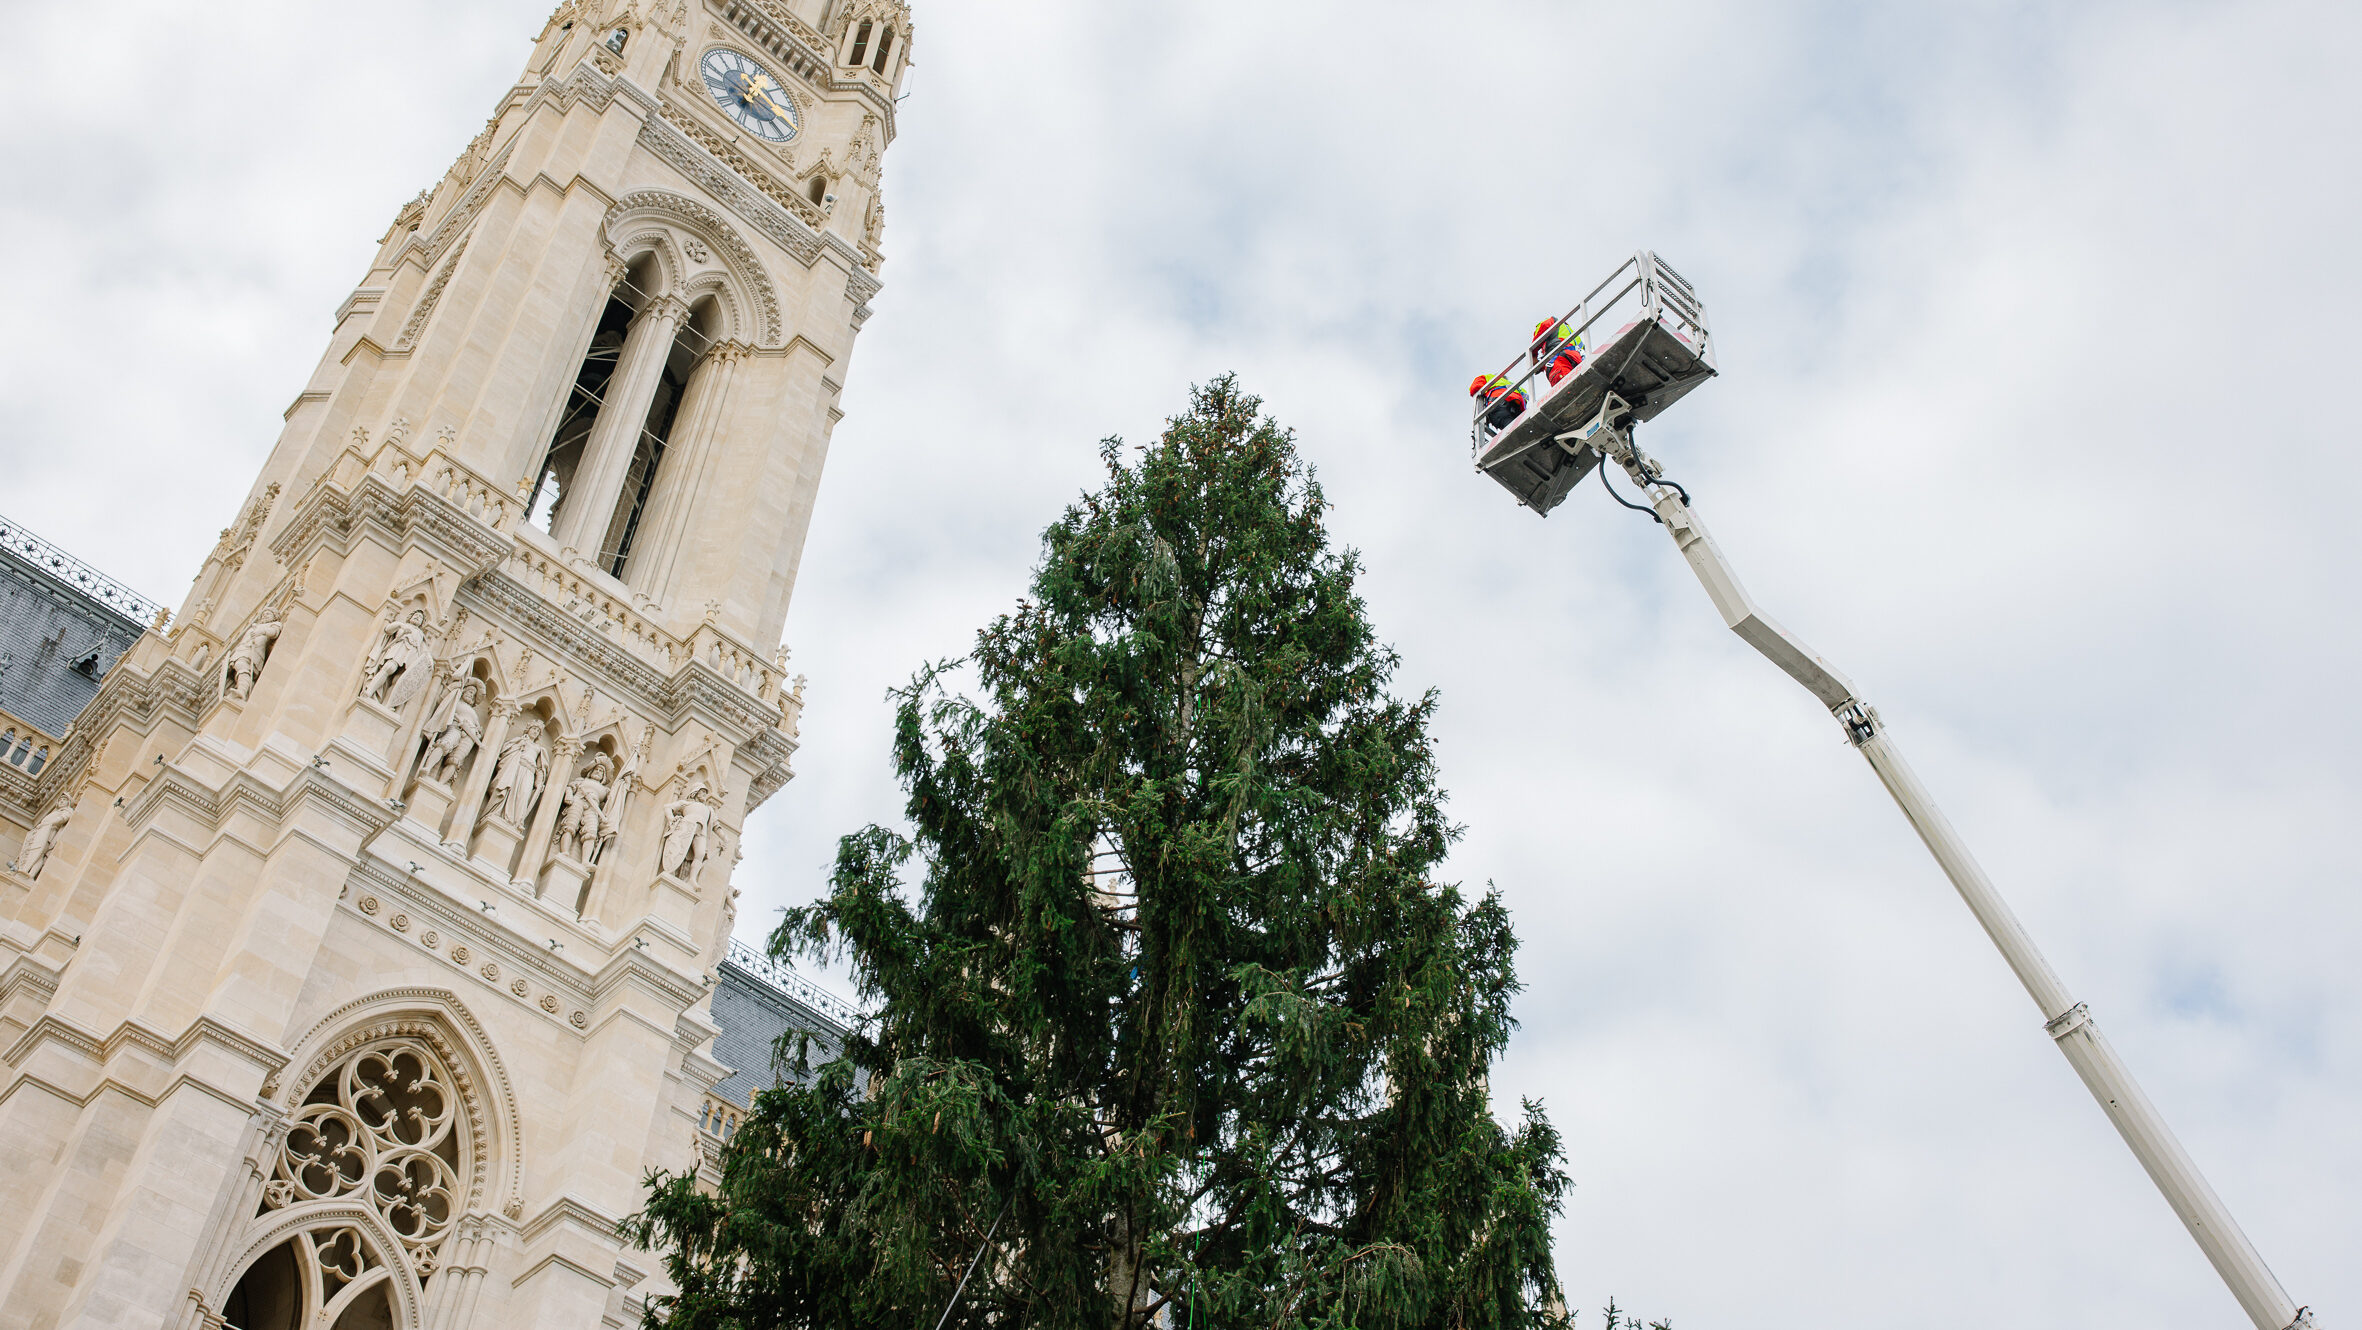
(1178, 1025)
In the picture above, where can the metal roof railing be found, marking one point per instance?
(794, 985)
(74, 573)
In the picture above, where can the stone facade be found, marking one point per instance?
(366, 961)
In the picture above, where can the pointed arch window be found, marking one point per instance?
(604, 458)
(384, 1128)
(885, 49)
(562, 460)
(369, 1179)
(860, 42)
(327, 1278)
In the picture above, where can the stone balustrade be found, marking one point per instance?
(588, 600)
(24, 746)
(721, 1118)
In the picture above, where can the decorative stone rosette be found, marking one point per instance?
(383, 1127)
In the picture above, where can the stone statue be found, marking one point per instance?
(517, 778)
(689, 835)
(582, 818)
(252, 652)
(34, 856)
(399, 667)
(456, 728)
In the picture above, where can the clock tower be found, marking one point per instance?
(357, 939)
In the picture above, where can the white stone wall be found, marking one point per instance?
(258, 877)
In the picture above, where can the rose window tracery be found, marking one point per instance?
(383, 1128)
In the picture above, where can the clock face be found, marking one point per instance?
(749, 95)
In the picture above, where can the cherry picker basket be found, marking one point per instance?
(1643, 338)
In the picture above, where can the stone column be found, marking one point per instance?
(667, 524)
(562, 768)
(607, 453)
(451, 1296)
(479, 778)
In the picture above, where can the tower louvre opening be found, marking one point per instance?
(560, 461)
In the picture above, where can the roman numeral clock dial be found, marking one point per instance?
(749, 95)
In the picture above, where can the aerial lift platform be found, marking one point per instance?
(1658, 351)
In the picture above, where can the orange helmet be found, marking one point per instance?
(1476, 385)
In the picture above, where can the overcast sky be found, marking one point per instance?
(2036, 337)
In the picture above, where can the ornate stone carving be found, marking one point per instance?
(862, 286)
(690, 836)
(398, 668)
(239, 537)
(455, 729)
(455, 223)
(384, 1128)
(582, 818)
(427, 300)
(479, 1135)
(516, 780)
(713, 227)
(253, 651)
(33, 856)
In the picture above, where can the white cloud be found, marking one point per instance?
(2032, 321)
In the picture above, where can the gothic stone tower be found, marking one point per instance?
(357, 946)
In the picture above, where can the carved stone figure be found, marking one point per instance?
(34, 856)
(252, 652)
(517, 778)
(582, 818)
(689, 834)
(399, 667)
(457, 729)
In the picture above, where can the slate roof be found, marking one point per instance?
(755, 1002)
(63, 624)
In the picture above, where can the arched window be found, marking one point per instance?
(860, 43)
(604, 456)
(328, 1278)
(818, 193)
(563, 458)
(385, 1127)
(885, 49)
(380, 1146)
(639, 482)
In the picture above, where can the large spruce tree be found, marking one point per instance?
(1177, 1021)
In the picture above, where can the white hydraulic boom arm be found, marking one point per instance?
(2068, 1022)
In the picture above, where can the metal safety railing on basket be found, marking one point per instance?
(1644, 287)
